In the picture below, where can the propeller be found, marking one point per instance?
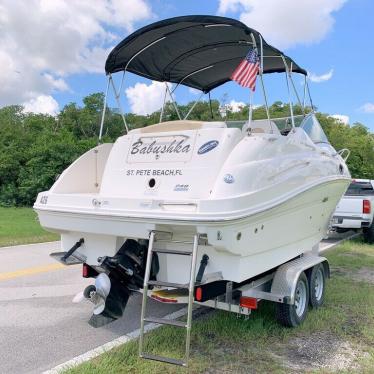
(97, 293)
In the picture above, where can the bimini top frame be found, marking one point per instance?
(197, 51)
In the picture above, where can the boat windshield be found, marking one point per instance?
(313, 128)
(308, 123)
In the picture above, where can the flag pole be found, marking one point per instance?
(250, 112)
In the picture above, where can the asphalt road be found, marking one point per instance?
(40, 327)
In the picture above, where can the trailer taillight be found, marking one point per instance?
(85, 271)
(248, 302)
(366, 206)
(199, 294)
(88, 271)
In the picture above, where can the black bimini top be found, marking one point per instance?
(196, 51)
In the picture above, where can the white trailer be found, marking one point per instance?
(293, 286)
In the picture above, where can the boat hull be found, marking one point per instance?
(238, 248)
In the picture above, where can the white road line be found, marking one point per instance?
(32, 292)
(110, 345)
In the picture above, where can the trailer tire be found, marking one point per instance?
(293, 315)
(369, 234)
(317, 283)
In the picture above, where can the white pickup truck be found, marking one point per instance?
(355, 210)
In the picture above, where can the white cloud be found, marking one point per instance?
(43, 41)
(42, 104)
(56, 83)
(341, 117)
(288, 22)
(236, 106)
(368, 108)
(320, 78)
(194, 91)
(145, 99)
(233, 6)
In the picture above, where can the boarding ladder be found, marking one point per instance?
(191, 286)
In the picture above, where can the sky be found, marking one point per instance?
(53, 52)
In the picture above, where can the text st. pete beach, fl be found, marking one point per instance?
(153, 172)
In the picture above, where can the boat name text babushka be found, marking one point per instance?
(174, 147)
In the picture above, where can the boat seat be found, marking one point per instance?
(179, 126)
(261, 126)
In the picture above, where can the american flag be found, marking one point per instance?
(246, 72)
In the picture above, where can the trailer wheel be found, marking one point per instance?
(369, 234)
(293, 315)
(317, 282)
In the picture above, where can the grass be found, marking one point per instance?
(223, 343)
(21, 226)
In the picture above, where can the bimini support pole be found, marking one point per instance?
(189, 75)
(122, 80)
(289, 91)
(172, 100)
(117, 96)
(210, 105)
(104, 110)
(294, 88)
(304, 92)
(193, 106)
(250, 110)
(310, 97)
(262, 81)
(163, 105)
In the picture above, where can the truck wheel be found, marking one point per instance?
(294, 315)
(369, 234)
(317, 281)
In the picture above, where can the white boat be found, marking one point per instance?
(256, 194)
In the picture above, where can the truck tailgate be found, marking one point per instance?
(349, 205)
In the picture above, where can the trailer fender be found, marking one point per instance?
(286, 276)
